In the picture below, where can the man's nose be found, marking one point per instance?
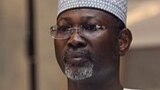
(76, 41)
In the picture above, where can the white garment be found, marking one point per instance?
(129, 89)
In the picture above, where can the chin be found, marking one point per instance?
(79, 73)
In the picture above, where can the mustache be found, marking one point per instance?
(80, 52)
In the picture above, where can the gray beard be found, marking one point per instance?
(81, 73)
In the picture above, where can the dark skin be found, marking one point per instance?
(107, 47)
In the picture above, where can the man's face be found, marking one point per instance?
(93, 56)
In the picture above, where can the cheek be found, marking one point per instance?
(104, 48)
(103, 44)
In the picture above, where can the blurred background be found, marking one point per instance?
(139, 68)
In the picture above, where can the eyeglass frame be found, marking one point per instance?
(78, 30)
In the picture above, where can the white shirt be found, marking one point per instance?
(129, 89)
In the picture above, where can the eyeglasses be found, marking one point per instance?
(64, 32)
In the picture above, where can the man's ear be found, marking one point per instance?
(125, 39)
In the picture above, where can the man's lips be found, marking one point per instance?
(77, 59)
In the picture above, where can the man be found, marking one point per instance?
(90, 36)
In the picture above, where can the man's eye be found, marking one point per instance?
(89, 27)
(63, 29)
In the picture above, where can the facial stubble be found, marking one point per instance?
(80, 72)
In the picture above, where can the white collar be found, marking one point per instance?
(130, 89)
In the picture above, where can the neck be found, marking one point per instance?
(95, 85)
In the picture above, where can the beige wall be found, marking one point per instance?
(13, 61)
(140, 69)
(50, 76)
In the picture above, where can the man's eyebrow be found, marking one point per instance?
(64, 19)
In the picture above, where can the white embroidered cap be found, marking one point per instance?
(116, 7)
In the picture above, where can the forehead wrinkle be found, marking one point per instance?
(87, 17)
